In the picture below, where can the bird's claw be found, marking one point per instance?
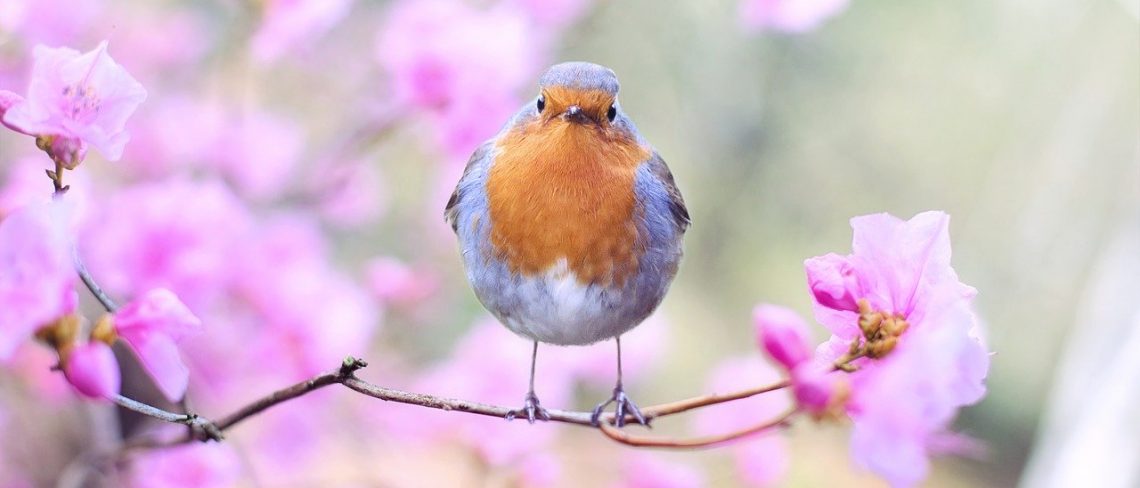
(531, 410)
(623, 406)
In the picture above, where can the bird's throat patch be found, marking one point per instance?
(561, 190)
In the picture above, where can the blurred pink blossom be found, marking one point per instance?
(290, 24)
(91, 368)
(185, 39)
(903, 402)
(151, 325)
(490, 365)
(307, 308)
(391, 280)
(761, 460)
(25, 184)
(175, 234)
(470, 87)
(213, 465)
(78, 98)
(259, 153)
(788, 15)
(652, 470)
(353, 197)
(36, 272)
(49, 21)
(175, 132)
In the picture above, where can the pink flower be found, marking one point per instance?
(915, 325)
(288, 24)
(214, 465)
(36, 272)
(783, 335)
(78, 98)
(151, 325)
(761, 460)
(788, 15)
(92, 370)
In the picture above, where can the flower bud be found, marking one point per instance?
(782, 334)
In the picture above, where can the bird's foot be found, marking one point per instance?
(531, 410)
(624, 406)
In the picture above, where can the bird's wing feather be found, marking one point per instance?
(478, 161)
(676, 202)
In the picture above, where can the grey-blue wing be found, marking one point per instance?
(476, 166)
(676, 202)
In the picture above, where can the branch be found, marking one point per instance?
(696, 442)
(96, 290)
(345, 375)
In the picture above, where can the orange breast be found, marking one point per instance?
(563, 190)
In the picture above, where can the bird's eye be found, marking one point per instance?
(541, 103)
(611, 113)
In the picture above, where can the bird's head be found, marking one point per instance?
(581, 94)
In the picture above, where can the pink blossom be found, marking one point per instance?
(783, 335)
(176, 132)
(788, 15)
(392, 280)
(761, 460)
(289, 24)
(491, 365)
(260, 152)
(78, 98)
(48, 21)
(656, 470)
(427, 49)
(36, 272)
(916, 323)
(306, 307)
(353, 197)
(213, 465)
(135, 243)
(92, 370)
(151, 325)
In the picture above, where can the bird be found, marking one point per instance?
(569, 222)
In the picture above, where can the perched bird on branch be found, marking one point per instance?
(570, 223)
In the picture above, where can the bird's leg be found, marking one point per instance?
(531, 408)
(623, 404)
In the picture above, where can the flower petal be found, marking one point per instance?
(92, 369)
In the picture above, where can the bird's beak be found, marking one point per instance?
(574, 113)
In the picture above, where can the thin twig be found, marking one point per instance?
(89, 282)
(695, 442)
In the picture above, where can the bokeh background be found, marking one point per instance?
(288, 171)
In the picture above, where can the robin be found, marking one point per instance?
(569, 222)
